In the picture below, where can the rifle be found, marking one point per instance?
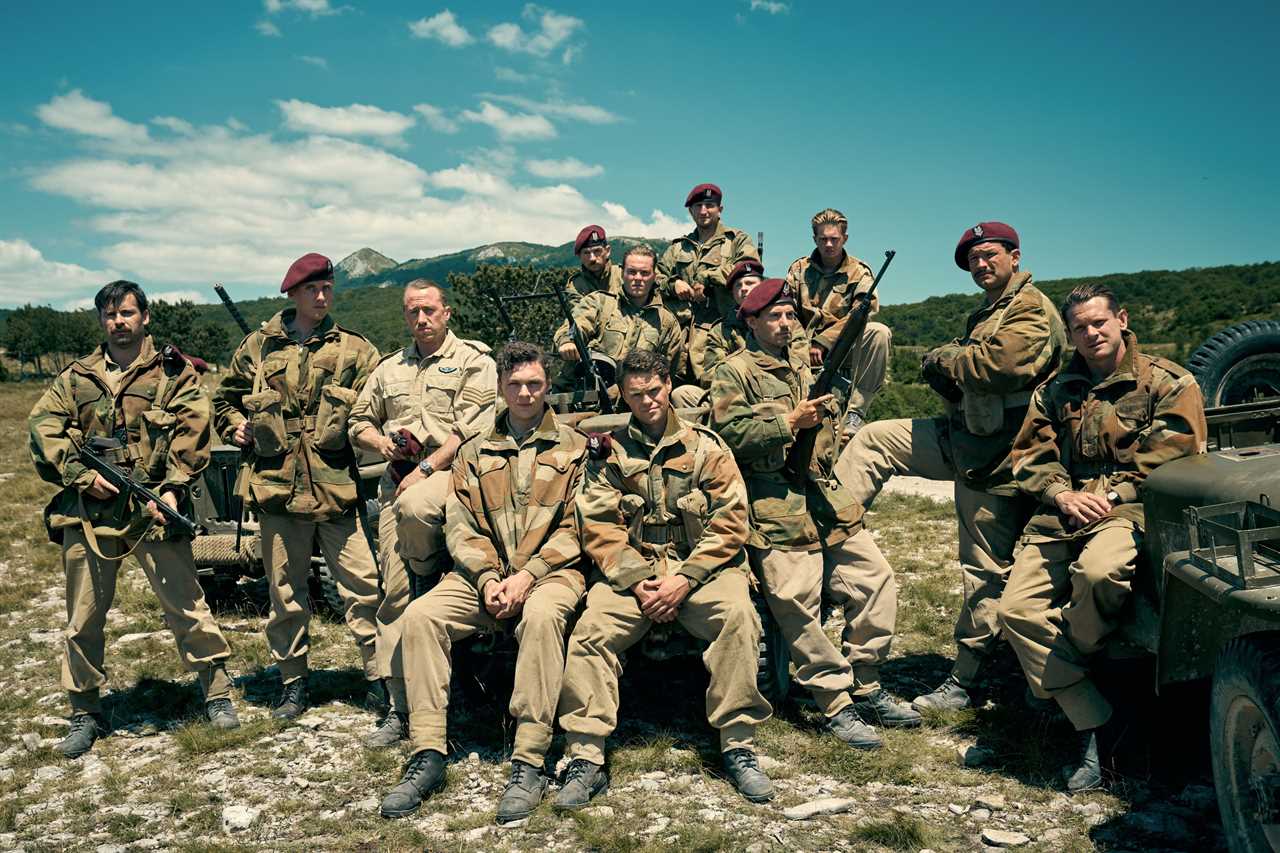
(760, 245)
(238, 498)
(584, 354)
(800, 457)
(231, 307)
(123, 480)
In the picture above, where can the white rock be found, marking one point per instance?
(649, 785)
(830, 805)
(6, 773)
(239, 818)
(991, 802)
(599, 811)
(656, 774)
(55, 722)
(768, 763)
(147, 844)
(956, 808)
(477, 833)
(137, 638)
(31, 741)
(972, 756)
(710, 815)
(1087, 809)
(1003, 838)
(473, 758)
(980, 815)
(515, 824)
(109, 848)
(48, 774)
(368, 804)
(1051, 835)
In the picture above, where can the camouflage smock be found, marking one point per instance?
(614, 325)
(729, 335)
(584, 283)
(825, 298)
(709, 263)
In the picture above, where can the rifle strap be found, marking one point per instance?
(91, 538)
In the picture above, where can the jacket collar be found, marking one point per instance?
(278, 326)
(446, 349)
(500, 438)
(672, 433)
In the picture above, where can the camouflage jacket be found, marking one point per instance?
(709, 263)
(297, 398)
(1105, 436)
(453, 391)
(750, 397)
(730, 335)
(511, 506)
(583, 283)
(1009, 347)
(653, 509)
(614, 325)
(156, 403)
(825, 298)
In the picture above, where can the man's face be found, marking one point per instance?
(648, 398)
(830, 241)
(523, 390)
(705, 214)
(426, 315)
(774, 326)
(594, 258)
(123, 323)
(312, 300)
(1095, 331)
(637, 278)
(743, 286)
(992, 265)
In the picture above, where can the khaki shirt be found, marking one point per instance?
(1105, 436)
(614, 325)
(657, 508)
(707, 263)
(453, 391)
(825, 298)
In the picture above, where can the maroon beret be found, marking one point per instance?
(592, 235)
(984, 232)
(704, 192)
(771, 291)
(309, 267)
(742, 269)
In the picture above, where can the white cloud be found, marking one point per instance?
(74, 112)
(511, 126)
(771, 6)
(173, 296)
(26, 275)
(317, 61)
(510, 75)
(314, 8)
(589, 113)
(553, 29)
(436, 119)
(175, 124)
(442, 27)
(353, 120)
(267, 28)
(570, 54)
(563, 170)
(471, 180)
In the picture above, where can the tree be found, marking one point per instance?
(182, 325)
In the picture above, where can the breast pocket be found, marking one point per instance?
(154, 438)
(331, 417)
(441, 391)
(1131, 419)
(551, 477)
(398, 400)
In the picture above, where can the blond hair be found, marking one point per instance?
(829, 216)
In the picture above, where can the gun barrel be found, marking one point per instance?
(122, 480)
(231, 307)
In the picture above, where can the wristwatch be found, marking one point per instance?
(426, 468)
(1113, 497)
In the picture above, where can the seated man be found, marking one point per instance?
(663, 514)
(1091, 436)
(510, 529)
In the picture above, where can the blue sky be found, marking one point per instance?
(182, 144)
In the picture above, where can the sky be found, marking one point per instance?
(182, 144)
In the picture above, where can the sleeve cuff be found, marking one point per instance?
(695, 575)
(75, 475)
(1053, 491)
(486, 576)
(537, 567)
(629, 573)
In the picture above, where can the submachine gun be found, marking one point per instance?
(91, 454)
(800, 456)
(236, 496)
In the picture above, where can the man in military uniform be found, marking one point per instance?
(826, 283)
(151, 401)
(286, 396)
(663, 514)
(1091, 436)
(1012, 343)
(693, 271)
(514, 541)
(598, 272)
(803, 528)
(417, 408)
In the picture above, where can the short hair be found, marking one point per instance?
(643, 362)
(829, 216)
(428, 284)
(1082, 293)
(515, 353)
(641, 249)
(115, 292)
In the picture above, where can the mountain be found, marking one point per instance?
(363, 263)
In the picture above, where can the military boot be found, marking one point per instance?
(523, 792)
(221, 714)
(423, 776)
(582, 782)
(393, 729)
(887, 711)
(293, 700)
(1087, 775)
(744, 769)
(85, 729)
(951, 695)
(847, 726)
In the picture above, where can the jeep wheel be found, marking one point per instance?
(326, 589)
(1240, 364)
(1245, 739)
(773, 668)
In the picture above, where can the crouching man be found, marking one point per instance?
(1091, 436)
(663, 514)
(510, 528)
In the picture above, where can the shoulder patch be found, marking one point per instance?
(479, 346)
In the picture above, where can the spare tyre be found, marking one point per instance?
(1240, 364)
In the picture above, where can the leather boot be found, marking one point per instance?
(744, 769)
(847, 726)
(882, 708)
(293, 700)
(85, 729)
(523, 793)
(582, 782)
(423, 776)
(393, 729)
(951, 695)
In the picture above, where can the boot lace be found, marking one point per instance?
(578, 768)
(741, 759)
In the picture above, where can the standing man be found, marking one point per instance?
(1012, 343)
(418, 407)
(827, 282)
(286, 396)
(514, 541)
(150, 402)
(693, 272)
(663, 514)
(1091, 436)
(802, 531)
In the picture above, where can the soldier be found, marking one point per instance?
(827, 282)
(1012, 343)
(511, 531)
(598, 273)
(429, 397)
(663, 514)
(286, 396)
(1091, 436)
(693, 271)
(150, 399)
(802, 531)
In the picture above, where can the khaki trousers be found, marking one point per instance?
(91, 587)
(989, 525)
(688, 396)
(410, 533)
(719, 611)
(868, 364)
(1063, 600)
(453, 610)
(286, 555)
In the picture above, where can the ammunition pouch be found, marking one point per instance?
(155, 436)
(694, 512)
(330, 427)
(266, 420)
